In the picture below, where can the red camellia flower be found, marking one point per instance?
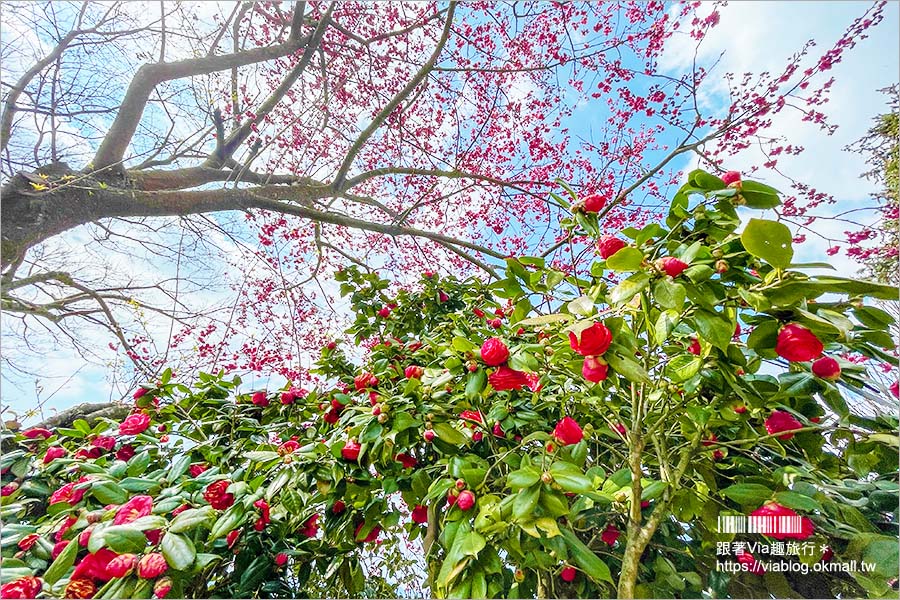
(80, 588)
(594, 203)
(406, 460)
(338, 507)
(610, 534)
(384, 312)
(827, 368)
(594, 369)
(494, 352)
(8, 489)
(780, 421)
(731, 177)
(197, 469)
(496, 323)
(745, 558)
(95, 565)
(350, 451)
(162, 587)
(505, 378)
(134, 424)
(280, 559)
(331, 416)
(568, 574)
(121, 565)
(139, 392)
(466, 500)
(780, 522)
(609, 245)
(68, 493)
(232, 537)
(364, 380)
(413, 372)
(134, 509)
(151, 566)
(478, 312)
(593, 341)
(53, 452)
(497, 430)
(310, 527)
(89, 453)
(797, 343)
(420, 514)
(672, 266)
(24, 587)
(471, 415)
(217, 495)
(695, 348)
(28, 541)
(373, 535)
(895, 389)
(66, 525)
(125, 452)
(260, 399)
(105, 442)
(288, 447)
(568, 431)
(37, 432)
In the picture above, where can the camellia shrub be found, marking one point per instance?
(553, 434)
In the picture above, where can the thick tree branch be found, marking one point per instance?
(118, 138)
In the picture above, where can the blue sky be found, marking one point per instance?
(755, 36)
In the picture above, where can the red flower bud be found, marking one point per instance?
(609, 245)
(338, 507)
(162, 587)
(745, 558)
(428, 435)
(197, 469)
(134, 509)
(672, 266)
(413, 372)
(125, 452)
(610, 535)
(495, 323)
(420, 514)
(594, 369)
(695, 348)
(350, 451)
(568, 431)
(232, 537)
(466, 500)
(54, 452)
(78, 588)
(594, 203)
(779, 527)
(281, 559)
(384, 312)
(260, 399)
(568, 574)
(731, 177)
(121, 565)
(406, 460)
(151, 566)
(478, 312)
(37, 432)
(371, 537)
(780, 421)
(827, 368)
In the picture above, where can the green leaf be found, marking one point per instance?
(260, 455)
(586, 560)
(748, 493)
(471, 544)
(759, 195)
(230, 519)
(797, 501)
(683, 366)
(764, 336)
(626, 259)
(107, 492)
(545, 319)
(669, 293)
(525, 501)
(626, 290)
(449, 434)
(582, 306)
(118, 538)
(713, 328)
(770, 241)
(192, 518)
(627, 367)
(523, 478)
(178, 550)
(570, 478)
(664, 325)
(63, 563)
